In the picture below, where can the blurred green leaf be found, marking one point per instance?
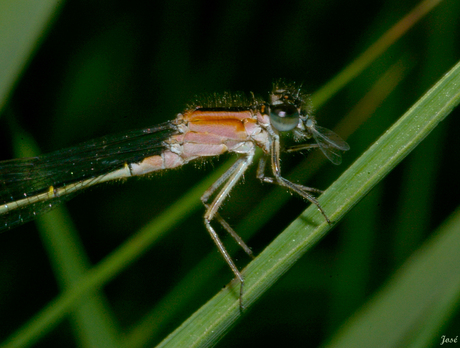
(214, 319)
(136, 246)
(23, 24)
(418, 300)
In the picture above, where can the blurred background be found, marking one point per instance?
(103, 67)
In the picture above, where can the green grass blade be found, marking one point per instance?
(91, 318)
(125, 255)
(118, 261)
(420, 298)
(167, 309)
(375, 50)
(212, 321)
(22, 24)
(112, 265)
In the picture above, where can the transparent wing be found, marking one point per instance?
(329, 143)
(26, 177)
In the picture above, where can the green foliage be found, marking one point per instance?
(381, 278)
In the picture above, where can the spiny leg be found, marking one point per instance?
(301, 147)
(301, 190)
(235, 235)
(210, 191)
(231, 177)
(271, 180)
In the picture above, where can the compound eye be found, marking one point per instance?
(284, 117)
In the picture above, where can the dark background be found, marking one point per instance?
(110, 66)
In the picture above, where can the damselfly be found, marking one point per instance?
(210, 126)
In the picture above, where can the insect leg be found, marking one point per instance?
(231, 177)
(301, 190)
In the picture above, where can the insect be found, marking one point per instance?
(210, 126)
